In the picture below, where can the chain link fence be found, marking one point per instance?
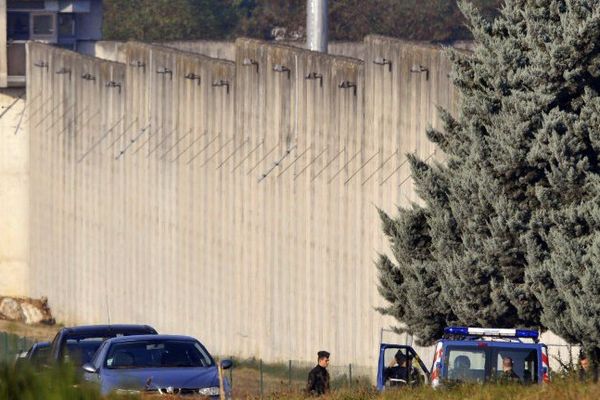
(255, 378)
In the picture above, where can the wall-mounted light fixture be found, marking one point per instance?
(88, 77)
(192, 76)
(418, 69)
(282, 68)
(248, 62)
(41, 64)
(64, 71)
(348, 85)
(113, 84)
(138, 64)
(165, 71)
(221, 83)
(383, 61)
(314, 76)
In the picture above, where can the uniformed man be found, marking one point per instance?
(318, 377)
(508, 375)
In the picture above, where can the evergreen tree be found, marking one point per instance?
(478, 207)
(564, 245)
(514, 215)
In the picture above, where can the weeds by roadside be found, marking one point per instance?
(64, 384)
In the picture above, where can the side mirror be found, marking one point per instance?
(226, 364)
(89, 368)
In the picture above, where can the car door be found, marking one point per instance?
(387, 353)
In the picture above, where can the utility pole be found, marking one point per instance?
(317, 25)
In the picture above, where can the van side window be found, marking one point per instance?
(466, 364)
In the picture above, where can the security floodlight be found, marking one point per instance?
(315, 75)
(192, 76)
(383, 61)
(348, 85)
(248, 62)
(418, 68)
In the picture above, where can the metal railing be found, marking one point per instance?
(255, 378)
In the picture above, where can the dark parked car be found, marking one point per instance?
(161, 364)
(35, 356)
(78, 344)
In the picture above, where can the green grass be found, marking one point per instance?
(63, 384)
(564, 390)
(26, 383)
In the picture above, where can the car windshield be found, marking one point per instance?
(169, 353)
(479, 364)
(81, 351)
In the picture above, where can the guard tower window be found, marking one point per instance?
(18, 26)
(43, 24)
(66, 25)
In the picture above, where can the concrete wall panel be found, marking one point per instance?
(3, 49)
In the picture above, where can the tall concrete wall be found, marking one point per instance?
(239, 206)
(230, 200)
(14, 192)
(3, 48)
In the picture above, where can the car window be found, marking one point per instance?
(40, 355)
(524, 363)
(157, 354)
(466, 364)
(81, 351)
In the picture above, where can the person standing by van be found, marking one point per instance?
(318, 377)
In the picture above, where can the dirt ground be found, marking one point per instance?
(246, 384)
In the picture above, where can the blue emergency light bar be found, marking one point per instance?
(496, 332)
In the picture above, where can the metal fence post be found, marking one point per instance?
(231, 373)
(261, 378)
(290, 374)
(5, 355)
(350, 374)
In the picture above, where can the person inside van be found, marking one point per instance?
(462, 368)
(400, 373)
(508, 374)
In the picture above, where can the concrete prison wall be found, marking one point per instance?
(233, 201)
(14, 192)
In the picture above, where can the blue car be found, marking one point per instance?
(465, 354)
(161, 364)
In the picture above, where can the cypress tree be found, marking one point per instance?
(564, 242)
(514, 170)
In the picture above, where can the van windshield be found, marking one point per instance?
(497, 364)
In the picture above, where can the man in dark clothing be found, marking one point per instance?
(585, 372)
(508, 375)
(399, 373)
(318, 377)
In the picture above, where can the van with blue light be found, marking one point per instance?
(468, 355)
